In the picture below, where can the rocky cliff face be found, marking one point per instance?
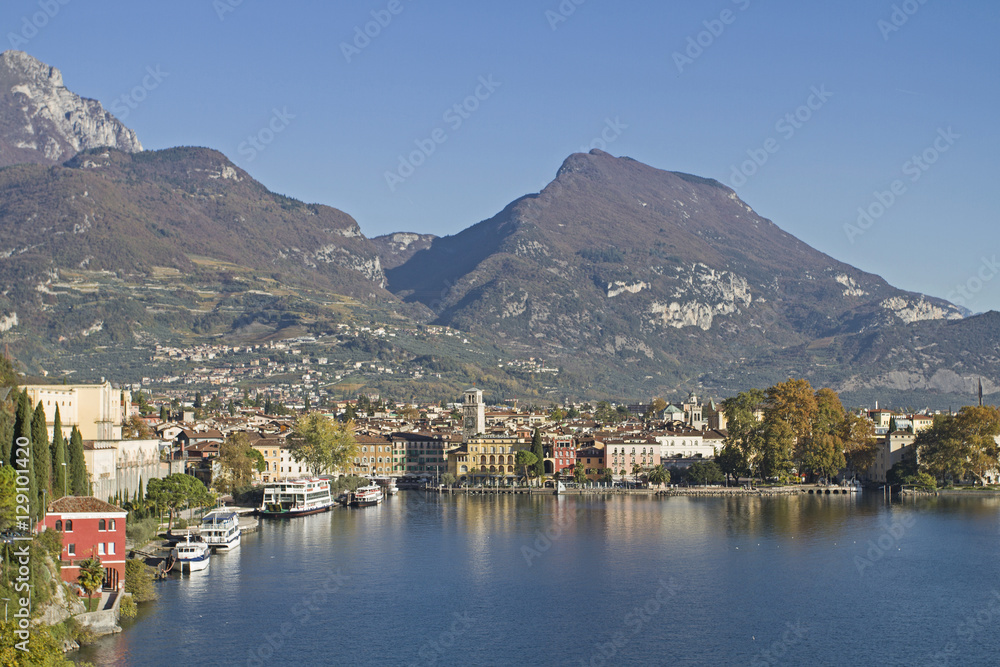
(43, 122)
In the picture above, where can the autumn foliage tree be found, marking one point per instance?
(323, 443)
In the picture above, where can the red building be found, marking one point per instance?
(89, 527)
(560, 455)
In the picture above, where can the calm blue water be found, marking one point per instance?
(455, 580)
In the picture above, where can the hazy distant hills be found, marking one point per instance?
(632, 280)
(42, 122)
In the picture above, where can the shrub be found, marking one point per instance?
(180, 523)
(142, 531)
(128, 608)
(139, 580)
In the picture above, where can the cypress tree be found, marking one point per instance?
(7, 409)
(78, 484)
(60, 484)
(40, 454)
(164, 414)
(22, 421)
(539, 452)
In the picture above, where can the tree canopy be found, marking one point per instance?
(322, 443)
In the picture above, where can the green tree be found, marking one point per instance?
(776, 453)
(8, 497)
(448, 479)
(658, 475)
(525, 459)
(78, 483)
(539, 451)
(579, 474)
(164, 413)
(743, 446)
(139, 580)
(322, 443)
(197, 400)
(22, 422)
(733, 461)
(236, 463)
(963, 445)
(42, 457)
(823, 455)
(704, 473)
(608, 477)
(90, 578)
(60, 482)
(794, 403)
(175, 492)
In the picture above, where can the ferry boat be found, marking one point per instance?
(220, 529)
(192, 556)
(296, 497)
(366, 496)
(388, 485)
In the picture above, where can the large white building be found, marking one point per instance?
(98, 410)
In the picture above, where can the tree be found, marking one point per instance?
(136, 428)
(707, 472)
(8, 497)
(579, 474)
(21, 454)
(78, 482)
(197, 400)
(42, 457)
(608, 477)
(961, 445)
(525, 459)
(658, 475)
(743, 446)
(448, 479)
(539, 451)
(794, 403)
(139, 580)
(636, 469)
(860, 446)
(175, 492)
(60, 481)
(164, 413)
(322, 443)
(776, 453)
(656, 406)
(236, 463)
(829, 412)
(823, 455)
(90, 577)
(22, 423)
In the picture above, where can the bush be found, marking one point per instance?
(142, 531)
(139, 580)
(180, 523)
(128, 608)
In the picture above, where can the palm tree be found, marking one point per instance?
(524, 459)
(658, 475)
(91, 577)
(636, 469)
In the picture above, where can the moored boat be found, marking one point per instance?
(191, 556)
(220, 529)
(297, 497)
(366, 496)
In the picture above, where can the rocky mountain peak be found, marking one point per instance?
(43, 122)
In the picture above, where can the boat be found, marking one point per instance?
(191, 556)
(366, 496)
(296, 497)
(388, 485)
(220, 529)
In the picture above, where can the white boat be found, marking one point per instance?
(296, 497)
(388, 485)
(220, 529)
(366, 496)
(192, 556)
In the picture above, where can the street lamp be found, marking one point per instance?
(65, 480)
(6, 603)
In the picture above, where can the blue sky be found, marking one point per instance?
(896, 80)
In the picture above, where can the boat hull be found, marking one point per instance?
(293, 513)
(225, 546)
(193, 565)
(366, 503)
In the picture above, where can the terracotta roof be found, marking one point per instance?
(81, 504)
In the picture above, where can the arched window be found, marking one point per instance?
(112, 526)
(69, 525)
(102, 525)
(59, 525)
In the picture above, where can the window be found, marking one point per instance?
(111, 548)
(59, 525)
(102, 525)
(70, 549)
(112, 526)
(69, 525)
(100, 549)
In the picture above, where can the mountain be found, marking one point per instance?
(42, 122)
(396, 249)
(183, 217)
(666, 276)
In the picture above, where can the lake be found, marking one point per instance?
(425, 579)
